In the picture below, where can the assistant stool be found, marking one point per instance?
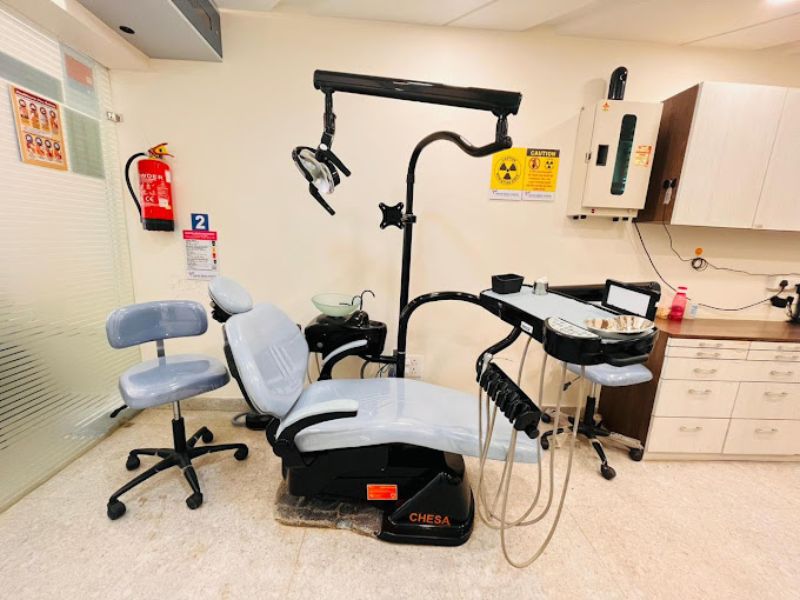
(598, 376)
(166, 379)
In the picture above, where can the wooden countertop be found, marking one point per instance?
(724, 329)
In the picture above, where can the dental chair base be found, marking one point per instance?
(423, 494)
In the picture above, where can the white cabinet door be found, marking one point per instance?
(779, 207)
(732, 134)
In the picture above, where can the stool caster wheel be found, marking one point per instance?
(636, 454)
(241, 453)
(115, 510)
(194, 501)
(545, 443)
(207, 436)
(546, 418)
(132, 464)
(607, 472)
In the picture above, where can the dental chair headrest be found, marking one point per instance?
(229, 296)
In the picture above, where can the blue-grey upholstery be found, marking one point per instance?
(229, 295)
(166, 378)
(611, 376)
(271, 355)
(150, 321)
(170, 379)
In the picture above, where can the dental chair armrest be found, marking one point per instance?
(284, 445)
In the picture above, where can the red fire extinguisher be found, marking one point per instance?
(156, 209)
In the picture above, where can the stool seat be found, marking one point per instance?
(611, 376)
(171, 378)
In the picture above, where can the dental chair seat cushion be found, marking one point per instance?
(406, 411)
(611, 376)
(171, 378)
(229, 295)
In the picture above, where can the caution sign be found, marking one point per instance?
(508, 169)
(541, 174)
(524, 174)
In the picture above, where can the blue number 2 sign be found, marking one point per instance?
(200, 221)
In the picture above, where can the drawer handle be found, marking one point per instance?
(700, 371)
(775, 373)
(704, 392)
(716, 345)
(788, 348)
(775, 395)
(765, 430)
(691, 429)
(785, 357)
(710, 355)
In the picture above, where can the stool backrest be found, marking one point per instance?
(271, 356)
(152, 321)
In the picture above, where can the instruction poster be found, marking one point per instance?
(524, 174)
(201, 254)
(39, 130)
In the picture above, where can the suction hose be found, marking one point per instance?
(486, 512)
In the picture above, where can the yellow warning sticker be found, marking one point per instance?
(642, 156)
(524, 174)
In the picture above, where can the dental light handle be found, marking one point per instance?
(318, 197)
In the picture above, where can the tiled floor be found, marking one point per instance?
(660, 530)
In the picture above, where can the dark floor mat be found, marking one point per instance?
(330, 513)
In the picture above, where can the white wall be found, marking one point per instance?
(232, 127)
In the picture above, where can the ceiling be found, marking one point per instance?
(742, 24)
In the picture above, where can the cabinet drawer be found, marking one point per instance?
(767, 401)
(776, 372)
(761, 436)
(677, 398)
(776, 346)
(724, 353)
(702, 436)
(778, 356)
(709, 344)
(702, 369)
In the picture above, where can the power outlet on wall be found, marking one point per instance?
(414, 366)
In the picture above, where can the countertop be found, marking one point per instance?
(723, 329)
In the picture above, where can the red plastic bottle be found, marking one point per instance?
(678, 305)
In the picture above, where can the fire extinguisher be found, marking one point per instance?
(156, 209)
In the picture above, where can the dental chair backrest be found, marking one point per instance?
(271, 356)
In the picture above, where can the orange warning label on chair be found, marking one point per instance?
(381, 491)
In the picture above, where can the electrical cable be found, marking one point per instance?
(701, 264)
(674, 289)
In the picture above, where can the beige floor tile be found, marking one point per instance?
(659, 530)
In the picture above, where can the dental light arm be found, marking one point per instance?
(321, 167)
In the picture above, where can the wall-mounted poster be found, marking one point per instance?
(40, 131)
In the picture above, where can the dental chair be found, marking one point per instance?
(394, 443)
(165, 380)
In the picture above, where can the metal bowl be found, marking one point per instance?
(336, 305)
(621, 327)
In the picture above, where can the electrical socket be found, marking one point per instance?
(414, 366)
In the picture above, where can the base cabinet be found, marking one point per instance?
(727, 399)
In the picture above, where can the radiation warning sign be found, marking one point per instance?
(524, 174)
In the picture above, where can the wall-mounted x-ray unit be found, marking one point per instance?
(613, 157)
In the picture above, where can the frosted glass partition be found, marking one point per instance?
(64, 267)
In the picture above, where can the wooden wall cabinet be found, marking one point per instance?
(725, 156)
